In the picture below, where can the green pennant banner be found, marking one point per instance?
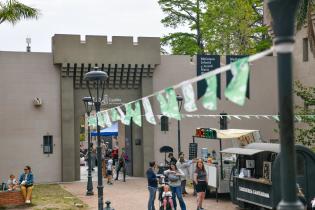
(114, 115)
(92, 121)
(135, 114)
(107, 121)
(276, 118)
(189, 96)
(149, 116)
(236, 90)
(209, 99)
(169, 106)
(123, 117)
(100, 118)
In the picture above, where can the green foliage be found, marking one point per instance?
(235, 27)
(217, 26)
(13, 11)
(304, 16)
(304, 7)
(305, 132)
(183, 13)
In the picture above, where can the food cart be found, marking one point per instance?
(220, 168)
(255, 178)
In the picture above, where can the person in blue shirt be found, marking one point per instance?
(152, 184)
(26, 182)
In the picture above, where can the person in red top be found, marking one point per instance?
(115, 154)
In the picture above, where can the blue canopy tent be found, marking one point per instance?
(111, 131)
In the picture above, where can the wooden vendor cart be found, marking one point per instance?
(255, 179)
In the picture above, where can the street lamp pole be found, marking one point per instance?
(179, 102)
(97, 78)
(283, 20)
(88, 103)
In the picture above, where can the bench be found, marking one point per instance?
(14, 198)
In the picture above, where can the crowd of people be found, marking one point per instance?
(175, 187)
(24, 183)
(112, 162)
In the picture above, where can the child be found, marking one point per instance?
(109, 171)
(167, 196)
(12, 183)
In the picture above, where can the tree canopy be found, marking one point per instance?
(216, 26)
(13, 11)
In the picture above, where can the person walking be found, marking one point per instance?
(174, 176)
(152, 184)
(109, 170)
(201, 181)
(184, 165)
(104, 168)
(121, 165)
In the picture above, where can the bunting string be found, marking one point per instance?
(235, 92)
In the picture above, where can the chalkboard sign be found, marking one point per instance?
(193, 149)
(206, 63)
(229, 75)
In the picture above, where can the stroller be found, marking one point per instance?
(162, 183)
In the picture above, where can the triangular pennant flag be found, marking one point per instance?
(236, 90)
(189, 96)
(149, 116)
(257, 116)
(169, 106)
(228, 116)
(298, 118)
(276, 117)
(122, 116)
(100, 118)
(135, 114)
(237, 117)
(246, 116)
(209, 99)
(114, 115)
(92, 121)
(266, 116)
(108, 123)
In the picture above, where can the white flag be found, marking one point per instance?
(122, 116)
(149, 116)
(107, 120)
(189, 96)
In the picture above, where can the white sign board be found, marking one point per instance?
(212, 176)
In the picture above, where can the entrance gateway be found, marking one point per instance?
(130, 69)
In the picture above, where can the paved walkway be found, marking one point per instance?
(133, 195)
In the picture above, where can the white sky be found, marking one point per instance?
(84, 17)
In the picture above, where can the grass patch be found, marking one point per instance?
(53, 197)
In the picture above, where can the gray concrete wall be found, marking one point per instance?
(263, 100)
(22, 125)
(96, 49)
(303, 70)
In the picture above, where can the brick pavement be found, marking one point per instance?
(133, 195)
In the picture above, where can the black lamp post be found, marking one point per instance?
(88, 103)
(179, 102)
(96, 79)
(283, 20)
